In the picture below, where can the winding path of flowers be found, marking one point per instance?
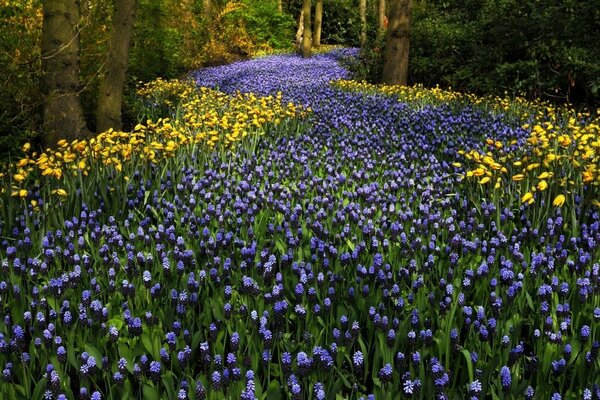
(344, 258)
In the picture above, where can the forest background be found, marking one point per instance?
(546, 49)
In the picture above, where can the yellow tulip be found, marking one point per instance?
(60, 192)
(559, 200)
(518, 177)
(19, 177)
(527, 198)
(484, 180)
(542, 185)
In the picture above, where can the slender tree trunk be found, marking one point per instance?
(381, 15)
(280, 6)
(62, 110)
(362, 8)
(395, 66)
(108, 114)
(307, 37)
(318, 23)
(300, 30)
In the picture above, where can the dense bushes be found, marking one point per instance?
(545, 48)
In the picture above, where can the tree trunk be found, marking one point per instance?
(280, 6)
(395, 66)
(62, 110)
(381, 15)
(318, 23)
(108, 114)
(362, 9)
(307, 37)
(300, 30)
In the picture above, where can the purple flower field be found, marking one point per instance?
(345, 259)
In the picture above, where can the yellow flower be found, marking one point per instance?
(564, 140)
(518, 177)
(559, 200)
(542, 185)
(457, 164)
(545, 175)
(527, 198)
(484, 180)
(19, 177)
(588, 176)
(22, 193)
(26, 147)
(60, 192)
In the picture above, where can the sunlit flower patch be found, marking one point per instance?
(186, 117)
(343, 256)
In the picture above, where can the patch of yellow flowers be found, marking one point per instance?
(206, 118)
(561, 156)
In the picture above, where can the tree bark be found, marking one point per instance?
(108, 114)
(62, 110)
(362, 9)
(300, 31)
(307, 37)
(318, 23)
(381, 15)
(280, 6)
(395, 66)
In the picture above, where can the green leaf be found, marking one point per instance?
(125, 352)
(150, 393)
(274, 391)
(39, 389)
(467, 355)
(169, 385)
(350, 244)
(147, 343)
(280, 246)
(529, 301)
(116, 322)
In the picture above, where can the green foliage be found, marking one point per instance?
(155, 47)
(266, 25)
(368, 65)
(546, 48)
(19, 73)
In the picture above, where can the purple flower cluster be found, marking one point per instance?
(345, 258)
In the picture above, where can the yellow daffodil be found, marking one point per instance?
(542, 185)
(60, 192)
(527, 198)
(559, 200)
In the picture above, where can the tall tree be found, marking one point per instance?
(318, 23)
(395, 65)
(362, 9)
(307, 36)
(300, 30)
(62, 110)
(280, 6)
(381, 15)
(108, 114)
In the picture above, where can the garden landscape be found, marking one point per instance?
(293, 220)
